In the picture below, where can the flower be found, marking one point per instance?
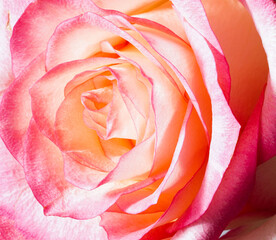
(134, 121)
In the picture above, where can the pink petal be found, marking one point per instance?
(225, 129)
(22, 216)
(233, 190)
(264, 16)
(31, 34)
(15, 111)
(264, 230)
(264, 192)
(10, 11)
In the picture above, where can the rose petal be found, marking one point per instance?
(244, 52)
(263, 230)
(183, 167)
(74, 137)
(80, 175)
(48, 93)
(264, 192)
(81, 34)
(192, 12)
(264, 16)
(130, 7)
(15, 111)
(44, 173)
(31, 28)
(22, 216)
(233, 190)
(225, 129)
(166, 16)
(118, 227)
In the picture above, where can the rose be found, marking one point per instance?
(163, 118)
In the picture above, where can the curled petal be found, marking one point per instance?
(225, 128)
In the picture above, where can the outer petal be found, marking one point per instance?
(225, 128)
(264, 192)
(265, 229)
(32, 28)
(234, 189)
(264, 16)
(22, 216)
(10, 11)
(15, 111)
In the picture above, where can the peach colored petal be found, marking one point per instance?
(15, 110)
(43, 167)
(166, 128)
(48, 93)
(225, 128)
(80, 175)
(130, 7)
(22, 215)
(118, 227)
(172, 177)
(233, 190)
(74, 137)
(135, 94)
(178, 206)
(82, 34)
(44, 173)
(264, 16)
(244, 52)
(181, 59)
(152, 43)
(165, 15)
(119, 122)
(139, 160)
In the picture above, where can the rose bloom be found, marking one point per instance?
(138, 119)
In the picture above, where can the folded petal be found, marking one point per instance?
(244, 53)
(233, 191)
(182, 168)
(225, 128)
(130, 7)
(126, 226)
